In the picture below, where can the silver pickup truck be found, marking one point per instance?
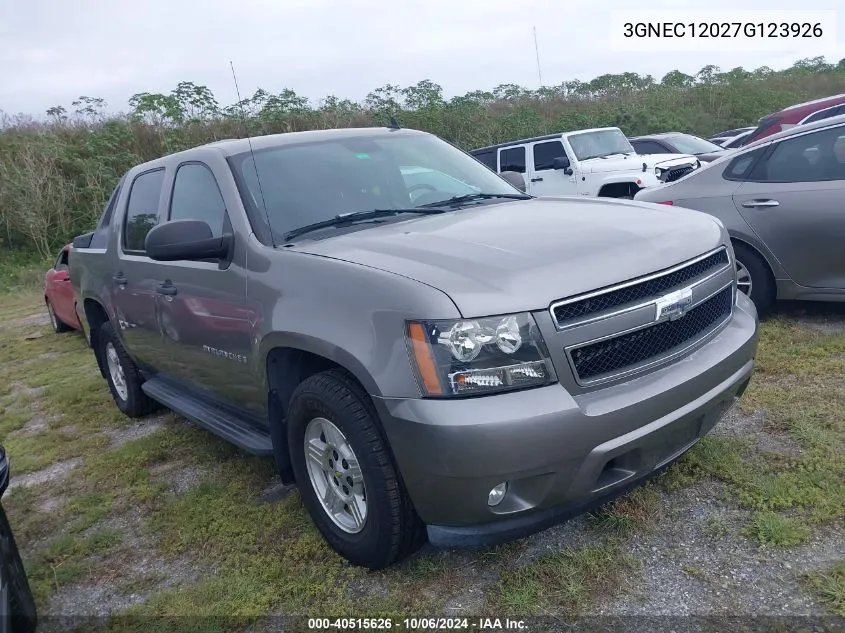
(424, 349)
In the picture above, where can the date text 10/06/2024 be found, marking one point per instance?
(416, 624)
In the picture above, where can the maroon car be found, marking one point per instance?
(58, 294)
(798, 114)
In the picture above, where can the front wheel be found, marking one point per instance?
(346, 475)
(754, 279)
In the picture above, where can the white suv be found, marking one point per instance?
(596, 162)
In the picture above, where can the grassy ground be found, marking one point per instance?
(159, 518)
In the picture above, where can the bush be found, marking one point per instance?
(56, 176)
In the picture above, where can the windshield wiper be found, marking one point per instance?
(612, 154)
(469, 197)
(355, 216)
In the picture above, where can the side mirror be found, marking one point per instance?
(186, 240)
(514, 178)
(563, 163)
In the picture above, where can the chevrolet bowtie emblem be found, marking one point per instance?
(674, 305)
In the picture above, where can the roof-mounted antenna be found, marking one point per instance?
(394, 125)
(252, 153)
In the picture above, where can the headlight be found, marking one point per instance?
(658, 171)
(461, 357)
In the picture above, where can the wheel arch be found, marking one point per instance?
(95, 315)
(627, 184)
(287, 361)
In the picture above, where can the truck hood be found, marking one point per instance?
(516, 256)
(635, 162)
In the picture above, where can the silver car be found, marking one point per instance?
(782, 200)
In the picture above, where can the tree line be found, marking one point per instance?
(57, 174)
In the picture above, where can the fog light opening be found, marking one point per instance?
(497, 494)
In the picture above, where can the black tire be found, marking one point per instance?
(136, 404)
(763, 290)
(392, 529)
(58, 325)
(20, 604)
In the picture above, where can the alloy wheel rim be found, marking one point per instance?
(743, 278)
(52, 317)
(118, 378)
(336, 476)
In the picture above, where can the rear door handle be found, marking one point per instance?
(119, 279)
(750, 204)
(166, 289)
(536, 180)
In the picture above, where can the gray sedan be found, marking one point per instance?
(782, 200)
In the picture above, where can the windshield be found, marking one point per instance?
(313, 182)
(688, 144)
(600, 143)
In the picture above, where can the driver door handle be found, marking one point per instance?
(750, 204)
(536, 180)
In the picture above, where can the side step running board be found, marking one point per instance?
(233, 429)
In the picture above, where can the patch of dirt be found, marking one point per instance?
(275, 491)
(54, 472)
(688, 568)
(753, 426)
(129, 432)
(136, 562)
(827, 318)
(178, 475)
(51, 503)
(39, 318)
(19, 389)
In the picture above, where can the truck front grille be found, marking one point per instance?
(615, 355)
(579, 308)
(676, 173)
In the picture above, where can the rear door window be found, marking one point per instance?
(512, 159)
(142, 209)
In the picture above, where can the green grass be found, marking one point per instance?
(564, 582)
(769, 528)
(829, 586)
(799, 388)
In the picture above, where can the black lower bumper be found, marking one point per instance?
(502, 531)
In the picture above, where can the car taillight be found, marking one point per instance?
(666, 202)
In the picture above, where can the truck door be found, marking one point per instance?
(203, 317)
(544, 179)
(133, 274)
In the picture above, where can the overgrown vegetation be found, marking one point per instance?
(55, 176)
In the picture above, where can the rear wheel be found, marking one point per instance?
(15, 594)
(59, 326)
(123, 376)
(346, 475)
(755, 279)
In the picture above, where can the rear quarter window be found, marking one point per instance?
(740, 168)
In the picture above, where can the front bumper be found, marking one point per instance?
(560, 454)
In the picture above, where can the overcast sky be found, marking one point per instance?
(52, 51)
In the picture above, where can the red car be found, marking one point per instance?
(798, 114)
(58, 295)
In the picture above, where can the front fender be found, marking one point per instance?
(348, 313)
